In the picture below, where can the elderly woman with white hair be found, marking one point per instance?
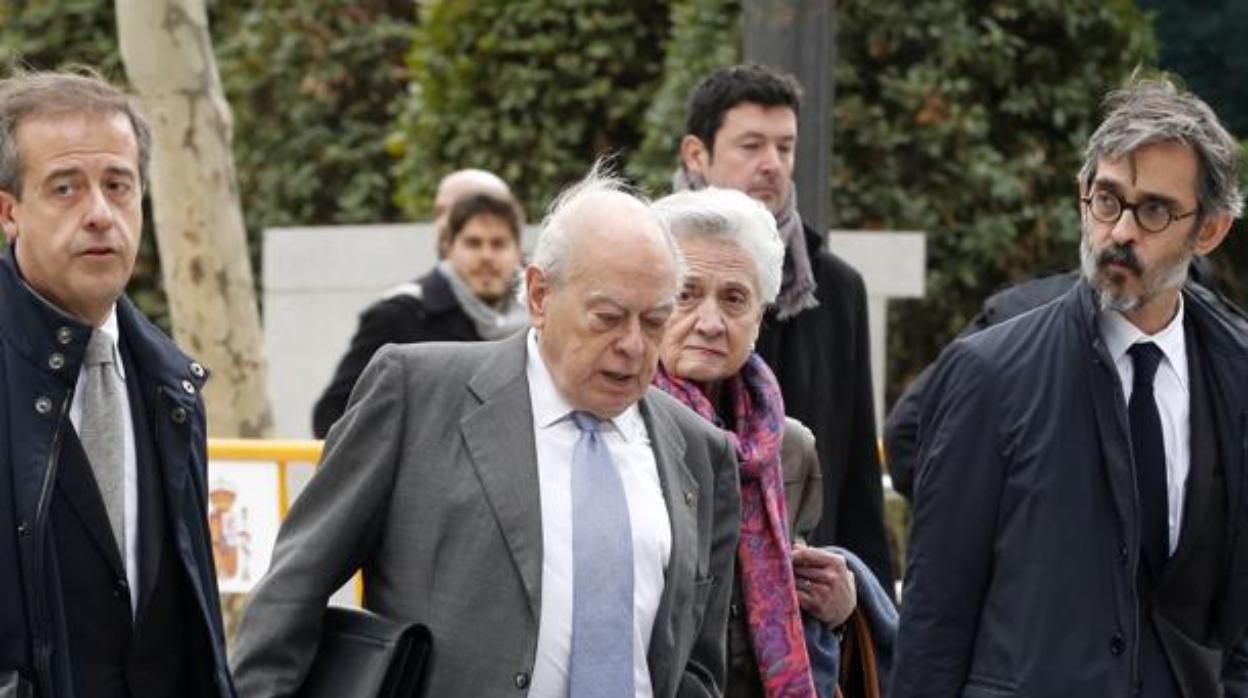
(734, 258)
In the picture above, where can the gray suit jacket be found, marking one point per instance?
(429, 483)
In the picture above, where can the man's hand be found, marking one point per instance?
(825, 586)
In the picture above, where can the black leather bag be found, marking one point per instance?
(363, 655)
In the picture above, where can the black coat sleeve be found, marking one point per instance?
(901, 429)
(862, 498)
(901, 435)
(386, 322)
(959, 477)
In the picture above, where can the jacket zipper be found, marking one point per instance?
(42, 628)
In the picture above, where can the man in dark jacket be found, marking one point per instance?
(1079, 523)
(901, 428)
(469, 296)
(107, 586)
(741, 133)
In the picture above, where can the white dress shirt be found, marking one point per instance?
(1171, 391)
(629, 444)
(131, 474)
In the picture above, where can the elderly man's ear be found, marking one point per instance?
(8, 219)
(536, 291)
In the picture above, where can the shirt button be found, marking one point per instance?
(43, 404)
(1117, 645)
(56, 361)
(189, 387)
(64, 335)
(197, 369)
(178, 415)
(521, 679)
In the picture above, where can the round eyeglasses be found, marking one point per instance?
(1151, 215)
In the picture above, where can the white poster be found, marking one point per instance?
(243, 517)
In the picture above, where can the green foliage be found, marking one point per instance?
(50, 34)
(533, 90)
(1202, 40)
(313, 85)
(966, 119)
(706, 35)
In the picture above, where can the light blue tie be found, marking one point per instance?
(602, 571)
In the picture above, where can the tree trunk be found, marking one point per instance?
(167, 52)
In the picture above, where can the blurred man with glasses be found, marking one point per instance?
(1079, 524)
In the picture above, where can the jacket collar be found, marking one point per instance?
(46, 333)
(1222, 328)
(436, 293)
(157, 356)
(40, 333)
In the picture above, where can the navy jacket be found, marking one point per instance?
(40, 354)
(901, 428)
(1025, 543)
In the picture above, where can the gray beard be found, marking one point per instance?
(1109, 297)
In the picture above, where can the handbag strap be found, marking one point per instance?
(858, 655)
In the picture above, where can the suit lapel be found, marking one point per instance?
(680, 493)
(1203, 454)
(77, 485)
(151, 496)
(501, 445)
(1103, 389)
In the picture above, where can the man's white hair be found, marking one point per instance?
(730, 216)
(566, 215)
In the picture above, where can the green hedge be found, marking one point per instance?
(531, 89)
(967, 120)
(314, 85)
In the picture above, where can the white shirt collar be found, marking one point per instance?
(550, 407)
(1120, 334)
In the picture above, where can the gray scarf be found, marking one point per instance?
(491, 323)
(797, 284)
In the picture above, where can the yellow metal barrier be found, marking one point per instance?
(283, 453)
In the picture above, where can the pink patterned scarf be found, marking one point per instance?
(763, 561)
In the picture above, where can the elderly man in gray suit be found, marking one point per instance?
(561, 528)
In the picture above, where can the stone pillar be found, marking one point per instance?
(796, 36)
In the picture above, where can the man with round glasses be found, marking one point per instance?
(1153, 215)
(1080, 522)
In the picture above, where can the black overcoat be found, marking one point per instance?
(40, 354)
(1025, 541)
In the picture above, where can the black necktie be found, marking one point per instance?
(1150, 457)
